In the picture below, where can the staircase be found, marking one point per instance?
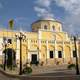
(48, 68)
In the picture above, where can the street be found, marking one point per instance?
(5, 77)
(59, 75)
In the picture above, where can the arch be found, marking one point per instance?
(43, 52)
(45, 27)
(67, 53)
(51, 47)
(60, 51)
(34, 46)
(43, 47)
(53, 28)
(10, 56)
(60, 48)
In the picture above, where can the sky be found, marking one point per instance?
(25, 12)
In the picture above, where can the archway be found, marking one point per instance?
(10, 56)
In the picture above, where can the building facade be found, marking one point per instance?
(47, 43)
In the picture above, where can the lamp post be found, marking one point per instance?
(20, 37)
(77, 67)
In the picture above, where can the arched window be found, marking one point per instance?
(45, 27)
(53, 28)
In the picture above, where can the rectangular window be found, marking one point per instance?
(51, 54)
(59, 54)
(74, 53)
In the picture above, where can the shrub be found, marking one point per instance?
(1, 65)
(27, 70)
(57, 63)
(71, 66)
(69, 62)
(42, 63)
(37, 62)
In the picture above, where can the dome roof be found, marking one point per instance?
(47, 18)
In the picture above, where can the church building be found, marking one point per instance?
(47, 43)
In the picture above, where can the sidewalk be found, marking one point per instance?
(39, 70)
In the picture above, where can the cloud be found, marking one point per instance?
(42, 12)
(72, 6)
(72, 20)
(43, 3)
(43, 9)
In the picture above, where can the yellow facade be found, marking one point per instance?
(47, 43)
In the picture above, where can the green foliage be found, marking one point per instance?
(27, 70)
(1, 65)
(11, 67)
(71, 66)
(57, 62)
(42, 63)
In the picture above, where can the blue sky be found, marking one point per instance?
(24, 12)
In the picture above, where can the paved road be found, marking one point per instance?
(47, 76)
(51, 78)
(5, 77)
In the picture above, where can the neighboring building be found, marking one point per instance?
(47, 43)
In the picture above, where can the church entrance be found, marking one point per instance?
(10, 57)
(34, 58)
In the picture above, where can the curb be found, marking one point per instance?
(10, 75)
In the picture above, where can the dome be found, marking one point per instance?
(47, 18)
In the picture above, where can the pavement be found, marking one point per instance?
(47, 76)
(7, 77)
(50, 74)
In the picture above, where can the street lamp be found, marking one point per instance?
(21, 36)
(77, 67)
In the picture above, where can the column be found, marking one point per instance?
(47, 54)
(28, 50)
(17, 51)
(77, 49)
(56, 53)
(1, 50)
(39, 44)
(71, 51)
(63, 54)
(1, 46)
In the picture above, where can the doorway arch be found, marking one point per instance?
(10, 56)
